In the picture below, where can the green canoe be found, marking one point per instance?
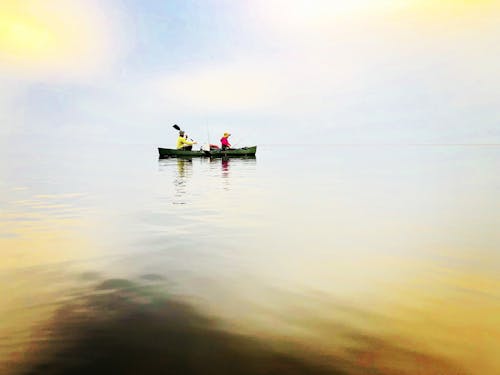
(235, 152)
(172, 153)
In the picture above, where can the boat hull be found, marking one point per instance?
(172, 152)
(237, 152)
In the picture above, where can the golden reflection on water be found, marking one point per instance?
(451, 313)
(40, 230)
(439, 321)
(38, 235)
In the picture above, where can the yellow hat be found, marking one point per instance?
(227, 134)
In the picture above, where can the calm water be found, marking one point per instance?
(320, 260)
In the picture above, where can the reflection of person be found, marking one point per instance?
(225, 165)
(225, 141)
(225, 172)
(181, 167)
(184, 169)
(183, 143)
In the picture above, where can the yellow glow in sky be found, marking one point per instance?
(62, 36)
(26, 37)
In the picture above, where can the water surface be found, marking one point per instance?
(325, 259)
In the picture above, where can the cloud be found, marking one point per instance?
(226, 87)
(257, 86)
(307, 17)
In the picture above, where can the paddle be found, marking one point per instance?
(176, 127)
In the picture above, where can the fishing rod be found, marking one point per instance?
(208, 132)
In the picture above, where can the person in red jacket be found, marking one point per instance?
(225, 141)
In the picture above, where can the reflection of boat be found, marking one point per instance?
(235, 152)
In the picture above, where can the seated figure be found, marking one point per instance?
(183, 143)
(225, 141)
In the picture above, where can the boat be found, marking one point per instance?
(173, 153)
(234, 152)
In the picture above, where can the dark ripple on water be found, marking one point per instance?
(122, 326)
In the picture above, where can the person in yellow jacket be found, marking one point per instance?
(183, 143)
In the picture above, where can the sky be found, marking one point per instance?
(268, 71)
